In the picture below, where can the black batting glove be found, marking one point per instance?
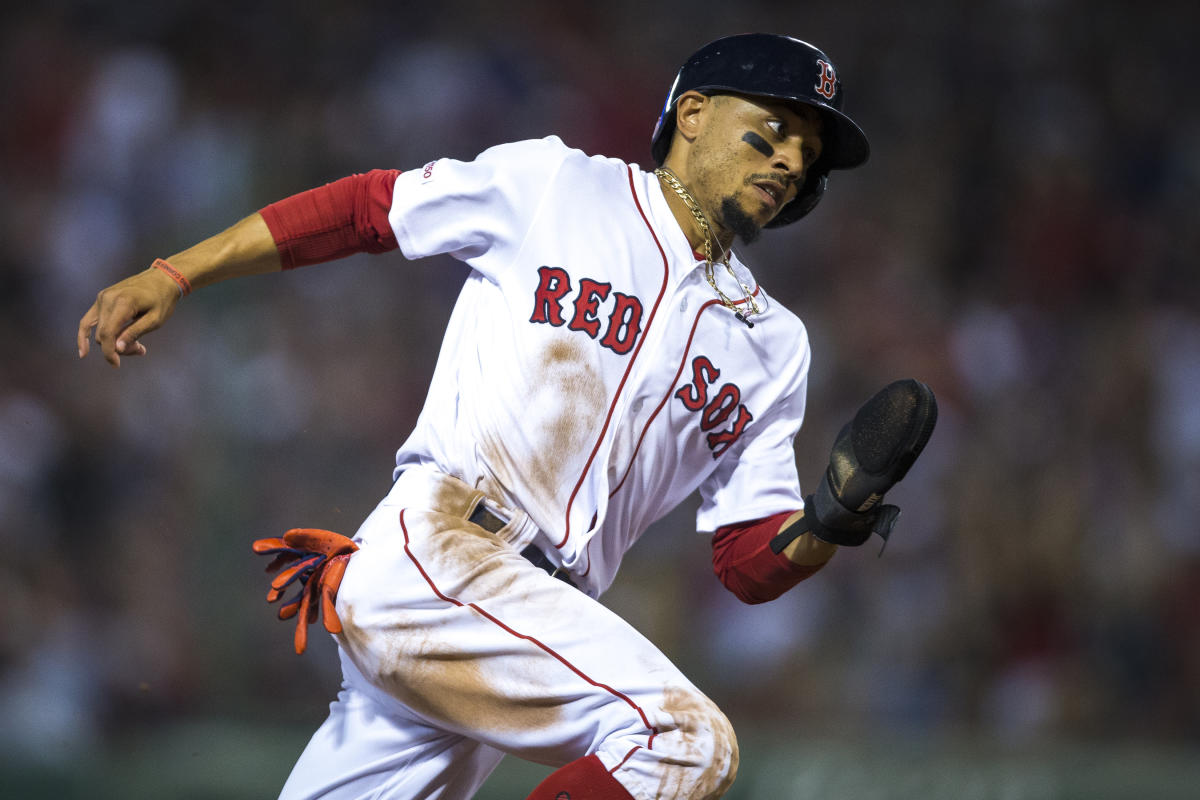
(870, 456)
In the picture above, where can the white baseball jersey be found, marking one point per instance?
(589, 381)
(589, 374)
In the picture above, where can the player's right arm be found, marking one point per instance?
(322, 224)
(126, 311)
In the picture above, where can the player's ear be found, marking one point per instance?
(690, 110)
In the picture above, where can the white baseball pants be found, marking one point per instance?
(456, 651)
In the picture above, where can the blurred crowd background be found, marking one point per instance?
(1024, 239)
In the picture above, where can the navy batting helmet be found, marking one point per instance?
(769, 65)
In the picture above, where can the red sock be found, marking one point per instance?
(582, 779)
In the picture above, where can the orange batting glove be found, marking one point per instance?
(317, 560)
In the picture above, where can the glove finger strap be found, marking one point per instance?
(834, 523)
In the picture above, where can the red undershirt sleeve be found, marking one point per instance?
(335, 220)
(744, 562)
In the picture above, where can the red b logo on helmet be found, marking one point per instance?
(827, 82)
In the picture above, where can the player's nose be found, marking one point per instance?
(789, 160)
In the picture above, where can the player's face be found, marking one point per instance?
(750, 159)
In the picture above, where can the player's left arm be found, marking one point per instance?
(761, 559)
(805, 550)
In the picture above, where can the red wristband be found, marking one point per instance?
(185, 286)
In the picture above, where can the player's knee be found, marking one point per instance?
(723, 763)
(711, 746)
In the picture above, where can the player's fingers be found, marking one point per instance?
(84, 337)
(127, 343)
(115, 313)
(121, 324)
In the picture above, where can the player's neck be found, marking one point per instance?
(685, 216)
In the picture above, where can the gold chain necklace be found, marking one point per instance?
(670, 179)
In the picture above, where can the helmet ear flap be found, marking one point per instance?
(805, 201)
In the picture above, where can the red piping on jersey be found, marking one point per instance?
(670, 391)
(666, 398)
(646, 429)
(662, 404)
(636, 747)
(548, 650)
(757, 288)
(628, 368)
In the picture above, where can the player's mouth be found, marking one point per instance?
(771, 193)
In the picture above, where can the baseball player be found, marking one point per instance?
(608, 356)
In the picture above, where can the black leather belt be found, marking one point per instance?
(490, 522)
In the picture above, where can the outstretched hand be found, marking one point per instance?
(126, 311)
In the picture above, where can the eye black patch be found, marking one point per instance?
(758, 143)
